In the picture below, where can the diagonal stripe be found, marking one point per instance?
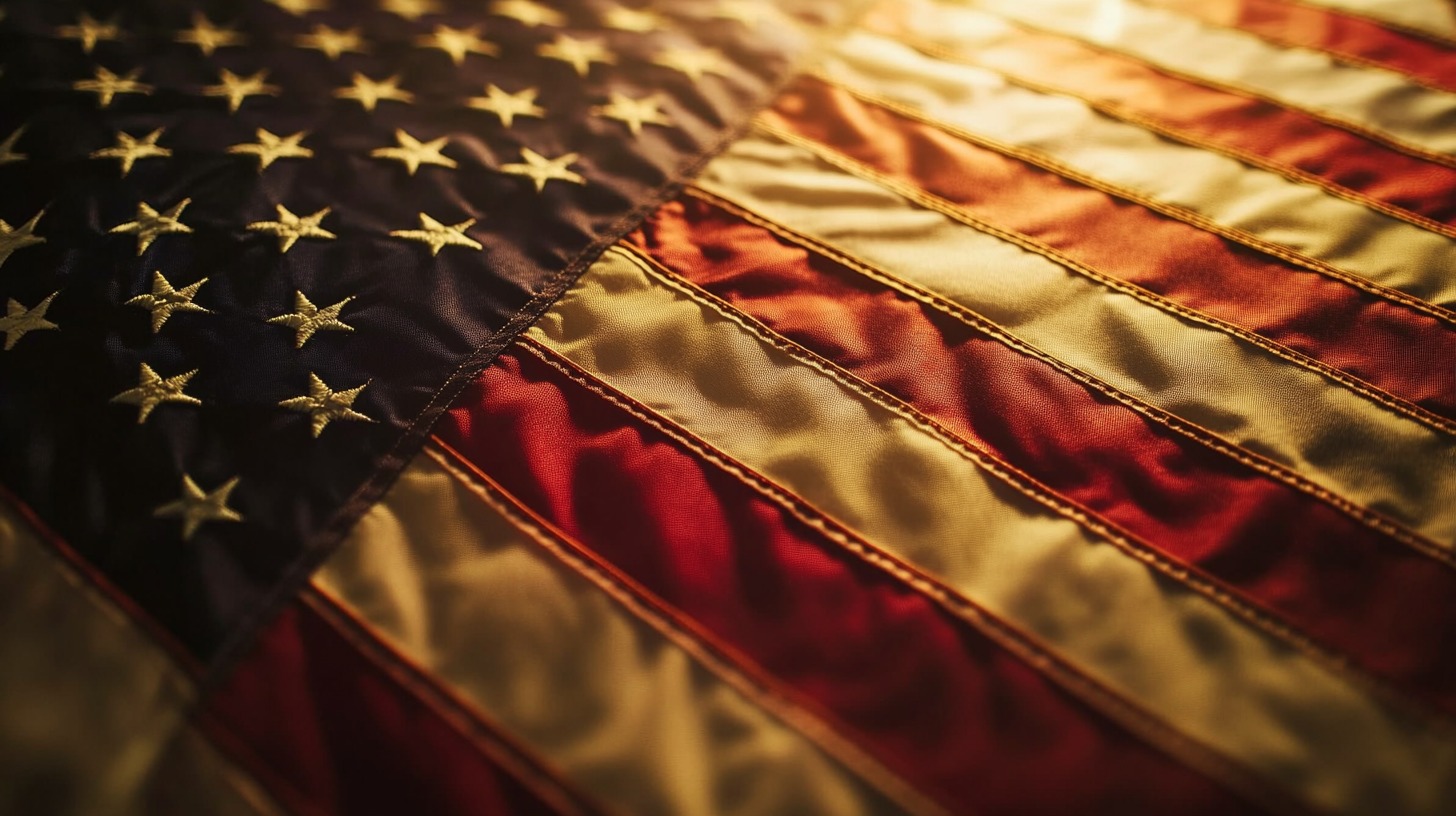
(1251, 206)
(1389, 354)
(871, 466)
(1346, 36)
(346, 730)
(1368, 100)
(1435, 18)
(1188, 500)
(193, 777)
(443, 572)
(89, 702)
(1282, 140)
(942, 700)
(1241, 393)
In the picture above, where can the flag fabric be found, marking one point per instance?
(946, 406)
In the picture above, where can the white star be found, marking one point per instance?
(7, 147)
(747, 12)
(163, 300)
(507, 105)
(298, 8)
(107, 85)
(153, 390)
(324, 405)
(129, 149)
(640, 21)
(13, 238)
(635, 112)
(540, 169)
(528, 13)
(270, 148)
(332, 41)
(368, 92)
(237, 88)
(411, 9)
(89, 31)
(413, 153)
(457, 42)
(196, 508)
(693, 61)
(150, 224)
(208, 36)
(579, 54)
(18, 319)
(437, 236)
(289, 227)
(306, 318)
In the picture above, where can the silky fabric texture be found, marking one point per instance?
(627, 716)
(193, 777)
(85, 748)
(343, 727)
(928, 693)
(1331, 436)
(1345, 584)
(1065, 131)
(1433, 16)
(1341, 35)
(1299, 724)
(1386, 345)
(1254, 130)
(1372, 98)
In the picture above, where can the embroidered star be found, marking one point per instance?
(640, 21)
(7, 147)
(332, 41)
(237, 88)
(107, 85)
(150, 224)
(369, 92)
(306, 318)
(153, 390)
(289, 227)
(410, 9)
(89, 31)
(196, 507)
(163, 301)
(457, 42)
(693, 61)
(528, 13)
(579, 54)
(437, 236)
(19, 320)
(412, 152)
(13, 238)
(128, 149)
(208, 36)
(540, 169)
(298, 8)
(635, 112)
(270, 148)
(508, 105)
(324, 405)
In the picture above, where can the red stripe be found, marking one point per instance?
(1324, 29)
(1403, 352)
(1336, 579)
(933, 698)
(314, 710)
(1221, 118)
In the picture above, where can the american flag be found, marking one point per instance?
(725, 406)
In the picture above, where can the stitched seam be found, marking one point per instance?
(1124, 113)
(465, 719)
(1392, 25)
(1389, 140)
(736, 670)
(1170, 210)
(1026, 646)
